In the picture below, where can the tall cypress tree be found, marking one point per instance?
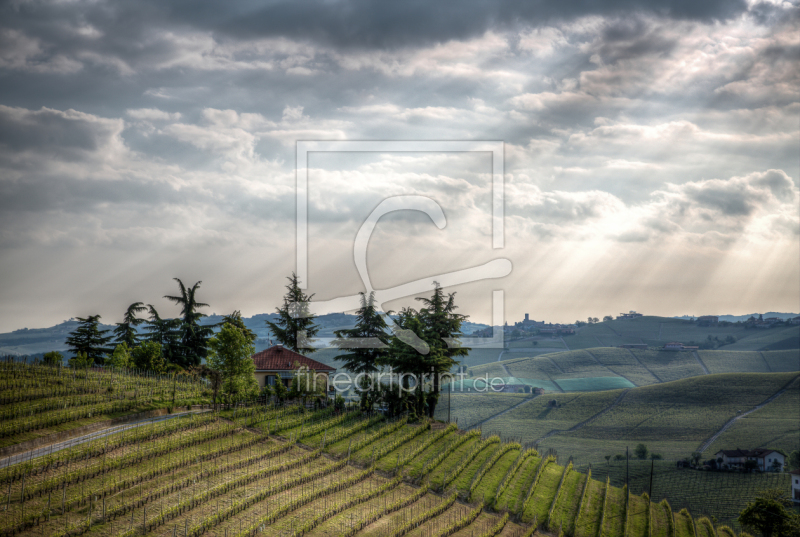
(295, 327)
(87, 338)
(125, 331)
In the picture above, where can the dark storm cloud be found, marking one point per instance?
(375, 23)
(354, 23)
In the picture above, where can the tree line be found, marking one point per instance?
(420, 346)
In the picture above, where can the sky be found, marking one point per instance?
(650, 153)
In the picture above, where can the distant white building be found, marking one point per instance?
(767, 459)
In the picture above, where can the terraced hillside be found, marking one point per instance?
(674, 419)
(36, 401)
(605, 368)
(290, 471)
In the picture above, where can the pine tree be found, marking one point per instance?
(88, 339)
(295, 326)
(442, 326)
(165, 332)
(367, 343)
(125, 331)
(410, 355)
(194, 337)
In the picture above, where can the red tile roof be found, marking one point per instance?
(279, 358)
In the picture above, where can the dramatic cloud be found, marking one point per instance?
(145, 140)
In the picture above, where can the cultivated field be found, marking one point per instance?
(290, 471)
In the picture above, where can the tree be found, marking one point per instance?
(640, 451)
(53, 358)
(768, 514)
(794, 460)
(295, 326)
(441, 328)
(121, 357)
(304, 384)
(608, 318)
(88, 339)
(695, 457)
(194, 338)
(608, 458)
(230, 353)
(81, 360)
(165, 332)
(280, 390)
(408, 357)
(367, 342)
(655, 457)
(236, 320)
(148, 356)
(126, 330)
(212, 375)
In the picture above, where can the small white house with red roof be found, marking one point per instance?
(278, 363)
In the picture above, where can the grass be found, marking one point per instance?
(519, 485)
(724, 361)
(487, 486)
(566, 508)
(468, 409)
(788, 360)
(721, 494)
(594, 384)
(544, 493)
(534, 419)
(688, 410)
(230, 482)
(588, 522)
(637, 516)
(774, 426)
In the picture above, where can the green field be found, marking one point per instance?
(673, 419)
(263, 468)
(694, 490)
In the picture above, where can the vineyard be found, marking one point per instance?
(291, 471)
(37, 400)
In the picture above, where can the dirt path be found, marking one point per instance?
(587, 421)
(52, 448)
(699, 361)
(509, 409)
(765, 361)
(555, 364)
(565, 343)
(704, 446)
(604, 365)
(644, 366)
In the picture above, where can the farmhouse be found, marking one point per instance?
(278, 364)
(767, 459)
(795, 485)
(630, 315)
(708, 320)
(673, 346)
(732, 458)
